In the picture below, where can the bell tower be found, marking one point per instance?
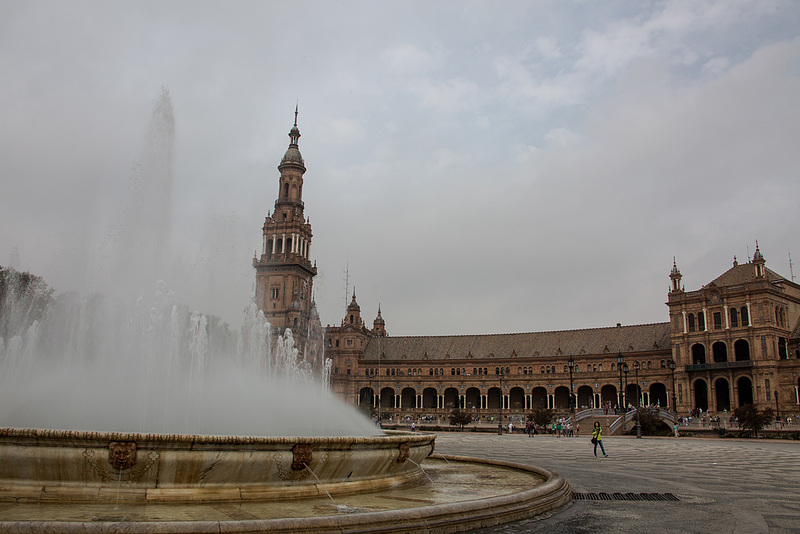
(284, 271)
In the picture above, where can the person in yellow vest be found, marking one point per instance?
(597, 438)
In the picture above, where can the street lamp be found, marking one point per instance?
(638, 401)
(371, 395)
(571, 364)
(500, 423)
(671, 367)
(620, 361)
(625, 399)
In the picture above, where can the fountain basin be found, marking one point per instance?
(457, 494)
(78, 466)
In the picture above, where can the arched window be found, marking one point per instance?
(566, 369)
(649, 365)
(690, 319)
(745, 316)
(600, 367)
(698, 354)
(701, 322)
(734, 318)
(543, 369)
(285, 190)
(613, 367)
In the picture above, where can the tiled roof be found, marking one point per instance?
(743, 273)
(637, 338)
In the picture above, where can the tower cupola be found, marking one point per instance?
(675, 276)
(379, 325)
(354, 313)
(758, 262)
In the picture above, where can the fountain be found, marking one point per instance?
(144, 416)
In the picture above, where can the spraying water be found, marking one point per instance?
(112, 362)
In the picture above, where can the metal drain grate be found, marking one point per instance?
(624, 497)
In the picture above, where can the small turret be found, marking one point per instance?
(675, 276)
(354, 313)
(758, 262)
(379, 325)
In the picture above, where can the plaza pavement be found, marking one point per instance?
(723, 485)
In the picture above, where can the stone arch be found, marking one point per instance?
(493, 398)
(741, 350)
(365, 396)
(744, 386)
(408, 398)
(658, 395)
(539, 397)
(516, 399)
(698, 354)
(722, 392)
(430, 398)
(585, 397)
(720, 352)
(561, 398)
(631, 395)
(451, 399)
(608, 394)
(387, 397)
(473, 398)
(701, 394)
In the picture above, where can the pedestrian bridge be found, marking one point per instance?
(616, 422)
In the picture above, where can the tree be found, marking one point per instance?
(751, 419)
(460, 418)
(24, 298)
(542, 416)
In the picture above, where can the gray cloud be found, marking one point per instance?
(478, 169)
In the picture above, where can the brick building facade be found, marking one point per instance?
(735, 340)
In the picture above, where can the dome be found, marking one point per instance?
(292, 156)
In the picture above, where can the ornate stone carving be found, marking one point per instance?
(301, 456)
(404, 450)
(122, 454)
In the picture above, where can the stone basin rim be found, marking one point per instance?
(388, 437)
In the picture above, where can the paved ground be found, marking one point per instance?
(723, 485)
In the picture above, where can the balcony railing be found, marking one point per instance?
(719, 365)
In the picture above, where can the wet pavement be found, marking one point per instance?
(722, 485)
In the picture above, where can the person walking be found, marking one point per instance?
(597, 438)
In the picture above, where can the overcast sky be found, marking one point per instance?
(476, 167)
